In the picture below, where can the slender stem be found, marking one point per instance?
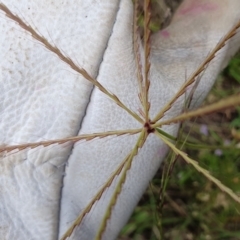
(196, 165)
(86, 137)
(232, 101)
(67, 60)
(141, 140)
(200, 69)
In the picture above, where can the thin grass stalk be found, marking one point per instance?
(147, 49)
(141, 140)
(229, 102)
(97, 197)
(137, 54)
(203, 171)
(200, 69)
(65, 59)
(86, 137)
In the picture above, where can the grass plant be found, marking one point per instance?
(195, 195)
